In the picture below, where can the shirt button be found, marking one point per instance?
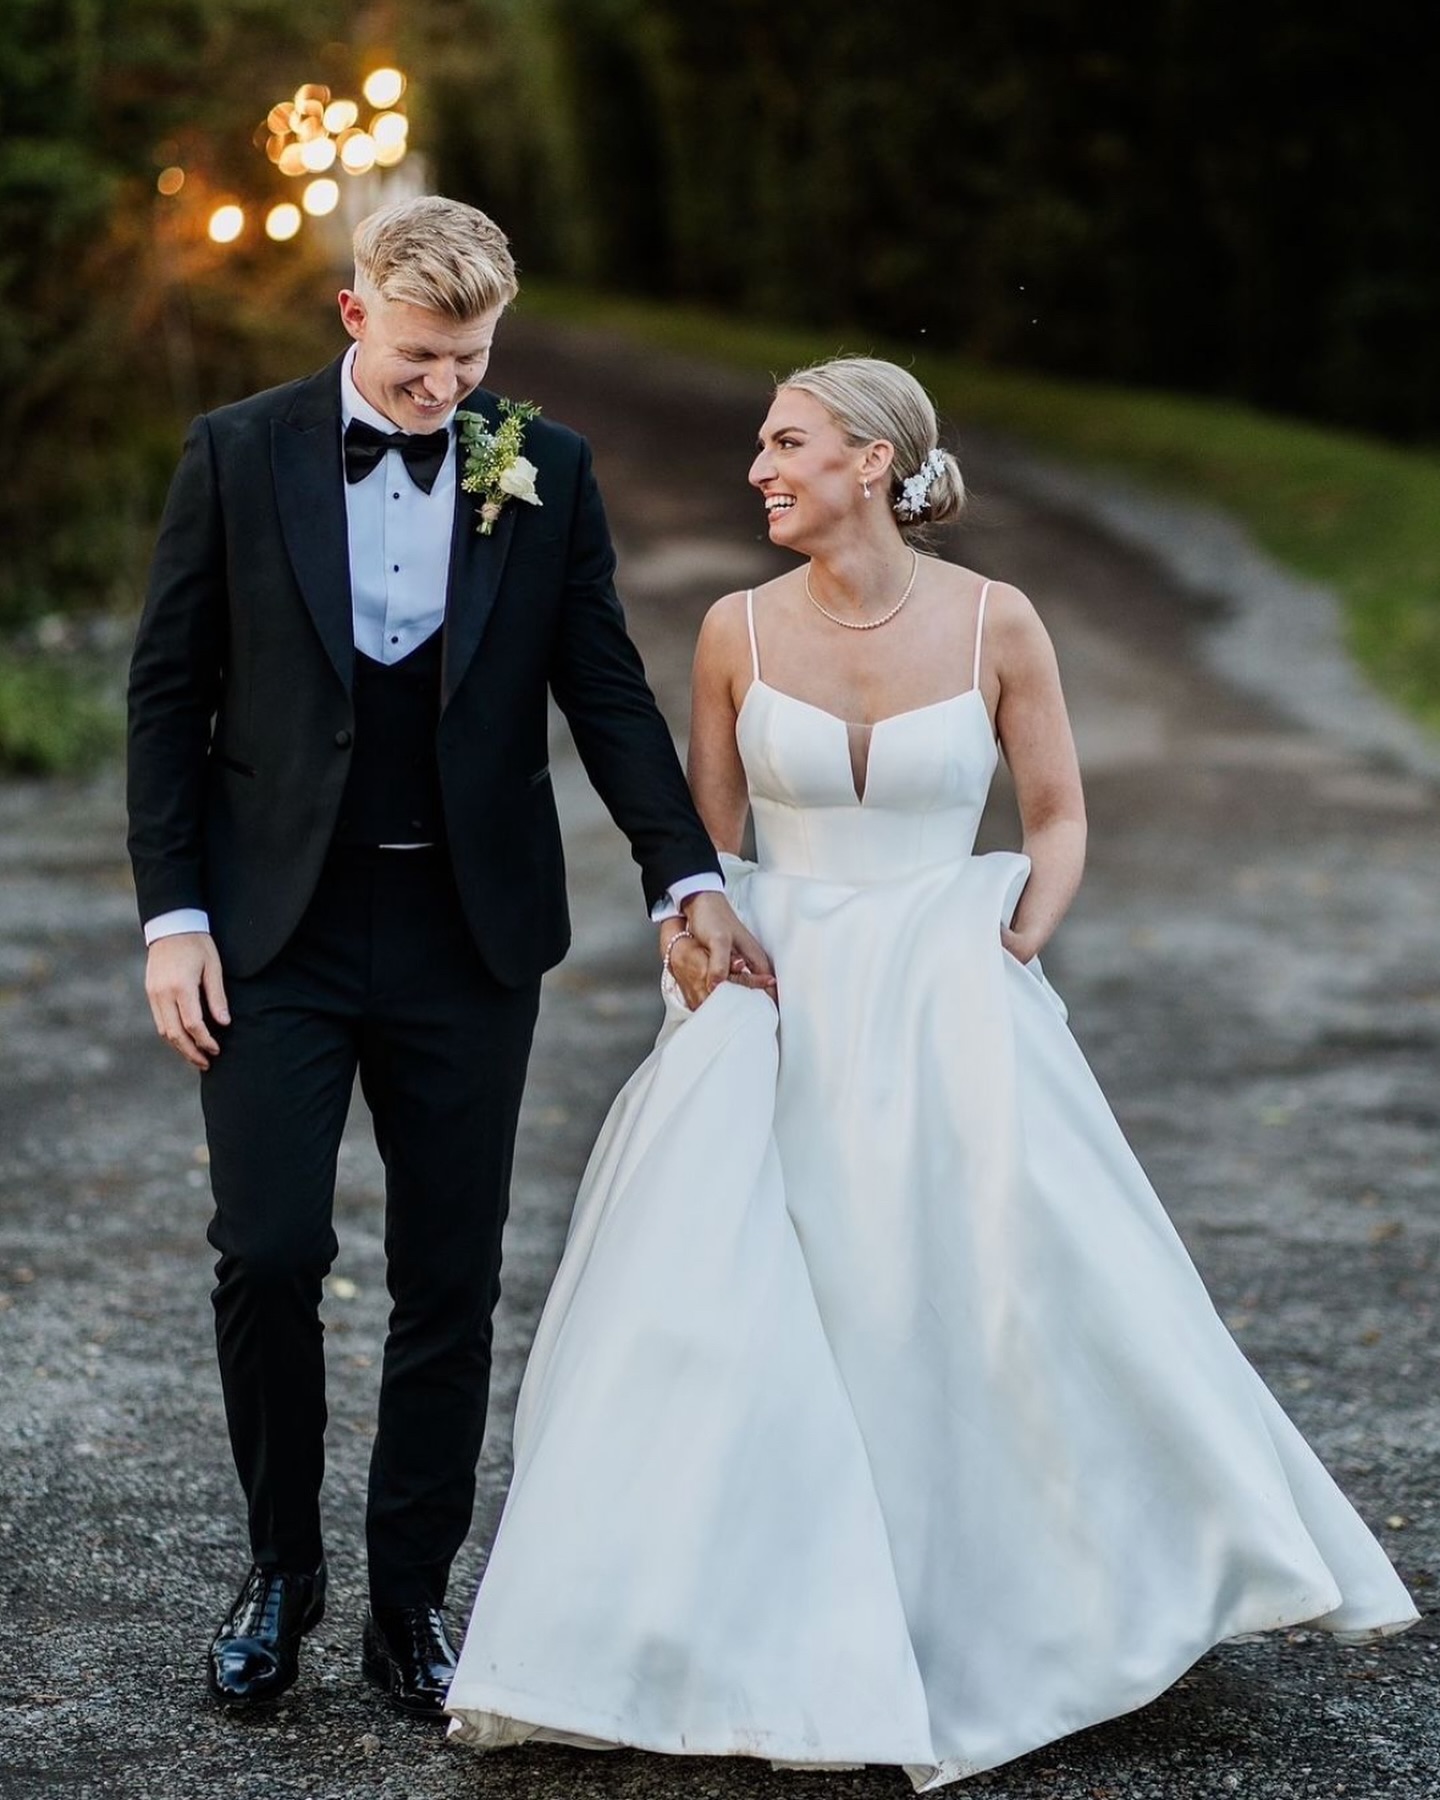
(394, 640)
(395, 568)
(395, 496)
(342, 740)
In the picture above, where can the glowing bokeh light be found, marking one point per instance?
(226, 224)
(383, 87)
(389, 128)
(318, 154)
(321, 197)
(170, 181)
(282, 222)
(357, 152)
(311, 134)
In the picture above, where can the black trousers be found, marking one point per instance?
(381, 977)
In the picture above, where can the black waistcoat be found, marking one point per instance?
(392, 795)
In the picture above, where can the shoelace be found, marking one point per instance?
(258, 1614)
(427, 1637)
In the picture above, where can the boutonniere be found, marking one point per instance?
(495, 471)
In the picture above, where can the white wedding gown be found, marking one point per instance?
(877, 1414)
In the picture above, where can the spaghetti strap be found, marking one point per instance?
(979, 628)
(750, 621)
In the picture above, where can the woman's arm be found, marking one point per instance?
(716, 774)
(1034, 731)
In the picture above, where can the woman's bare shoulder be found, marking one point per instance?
(725, 629)
(722, 650)
(1011, 615)
(726, 613)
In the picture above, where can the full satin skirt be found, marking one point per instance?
(899, 1431)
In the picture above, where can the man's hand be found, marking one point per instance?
(733, 953)
(183, 984)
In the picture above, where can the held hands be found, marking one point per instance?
(711, 947)
(186, 991)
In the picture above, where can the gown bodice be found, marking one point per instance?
(926, 780)
(927, 776)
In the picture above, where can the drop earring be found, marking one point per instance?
(865, 489)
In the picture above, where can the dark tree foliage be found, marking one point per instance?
(115, 314)
(1232, 198)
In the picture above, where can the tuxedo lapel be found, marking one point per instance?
(309, 478)
(477, 562)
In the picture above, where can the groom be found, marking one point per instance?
(347, 860)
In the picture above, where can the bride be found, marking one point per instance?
(877, 1414)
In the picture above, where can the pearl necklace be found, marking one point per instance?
(865, 624)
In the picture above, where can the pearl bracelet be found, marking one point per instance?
(684, 932)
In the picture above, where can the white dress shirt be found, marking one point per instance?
(399, 538)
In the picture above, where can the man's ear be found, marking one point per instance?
(352, 313)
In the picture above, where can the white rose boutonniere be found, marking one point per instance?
(495, 471)
(519, 480)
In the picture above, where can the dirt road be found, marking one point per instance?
(1251, 968)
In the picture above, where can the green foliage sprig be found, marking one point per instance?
(495, 471)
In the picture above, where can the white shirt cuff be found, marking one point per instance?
(668, 905)
(171, 924)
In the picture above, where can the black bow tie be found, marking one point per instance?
(424, 451)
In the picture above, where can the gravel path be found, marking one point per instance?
(1250, 966)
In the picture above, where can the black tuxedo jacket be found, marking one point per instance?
(240, 712)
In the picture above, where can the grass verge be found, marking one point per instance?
(1356, 514)
(55, 717)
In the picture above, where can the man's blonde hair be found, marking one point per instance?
(436, 253)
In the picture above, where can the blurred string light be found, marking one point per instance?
(282, 222)
(357, 152)
(309, 134)
(308, 137)
(383, 87)
(318, 154)
(391, 131)
(226, 223)
(321, 197)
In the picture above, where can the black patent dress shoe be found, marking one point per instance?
(408, 1656)
(256, 1652)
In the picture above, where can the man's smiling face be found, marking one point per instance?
(414, 365)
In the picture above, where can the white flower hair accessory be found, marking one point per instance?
(915, 492)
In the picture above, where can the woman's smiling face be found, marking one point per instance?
(806, 472)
